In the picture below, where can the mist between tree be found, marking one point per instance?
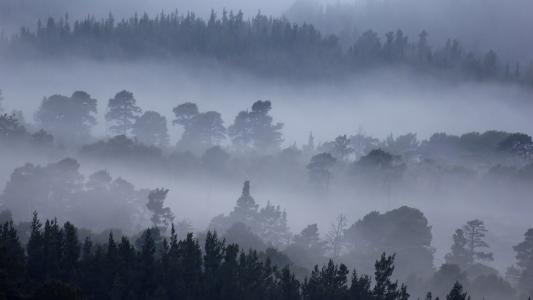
(421, 189)
(403, 155)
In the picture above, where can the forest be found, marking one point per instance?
(264, 45)
(292, 262)
(308, 150)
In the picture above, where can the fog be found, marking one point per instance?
(503, 26)
(400, 154)
(377, 103)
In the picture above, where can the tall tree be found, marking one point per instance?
(255, 129)
(71, 251)
(457, 293)
(35, 251)
(201, 130)
(122, 112)
(246, 208)
(341, 147)
(475, 232)
(184, 113)
(309, 238)
(151, 129)
(459, 254)
(162, 217)
(385, 288)
(12, 263)
(319, 170)
(524, 259)
(335, 236)
(69, 118)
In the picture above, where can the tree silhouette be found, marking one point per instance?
(201, 130)
(122, 112)
(256, 129)
(151, 129)
(319, 170)
(70, 118)
(524, 259)
(457, 293)
(459, 254)
(474, 232)
(162, 217)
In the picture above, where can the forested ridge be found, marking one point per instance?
(261, 44)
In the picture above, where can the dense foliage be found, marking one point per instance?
(264, 45)
(55, 264)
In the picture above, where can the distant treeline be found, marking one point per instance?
(264, 45)
(55, 264)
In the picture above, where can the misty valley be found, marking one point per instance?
(216, 154)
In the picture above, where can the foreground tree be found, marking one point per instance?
(457, 293)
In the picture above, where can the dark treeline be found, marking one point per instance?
(63, 262)
(56, 264)
(265, 45)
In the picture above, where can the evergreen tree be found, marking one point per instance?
(319, 170)
(288, 285)
(459, 254)
(151, 129)
(191, 270)
(122, 112)
(384, 288)
(457, 293)
(474, 232)
(524, 258)
(71, 251)
(70, 118)
(256, 129)
(246, 209)
(360, 287)
(12, 263)
(213, 258)
(162, 216)
(35, 251)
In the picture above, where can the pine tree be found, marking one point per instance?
(474, 234)
(459, 255)
(35, 251)
(385, 289)
(122, 112)
(71, 251)
(191, 267)
(457, 293)
(288, 285)
(213, 256)
(12, 263)
(360, 287)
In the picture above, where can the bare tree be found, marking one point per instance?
(335, 236)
